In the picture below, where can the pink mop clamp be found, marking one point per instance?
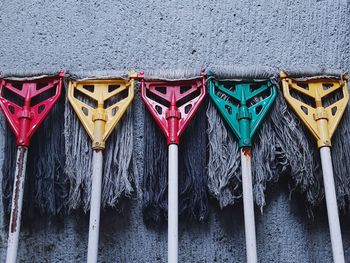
(172, 103)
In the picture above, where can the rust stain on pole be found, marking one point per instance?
(247, 151)
(14, 209)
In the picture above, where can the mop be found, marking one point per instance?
(289, 153)
(243, 102)
(315, 102)
(99, 99)
(224, 168)
(26, 100)
(172, 99)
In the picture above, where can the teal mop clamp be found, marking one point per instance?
(243, 104)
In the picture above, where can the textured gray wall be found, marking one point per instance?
(86, 35)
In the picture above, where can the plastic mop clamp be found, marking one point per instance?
(322, 120)
(25, 102)
(243, 103)
(242, 118)
(99, 103)
(173, 103)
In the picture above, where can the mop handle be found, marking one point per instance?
(17, 202)
(95, 206)
(332, 208)
(173, 204)
(248, 205)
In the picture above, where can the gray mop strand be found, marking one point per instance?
(295, 152)
(46, 184)
(117, 172)
(172, 74)
(24, 75)
(224, 177)
(238, 72)
(101, 74)
(341, 160)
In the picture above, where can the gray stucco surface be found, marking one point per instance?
(91, 35)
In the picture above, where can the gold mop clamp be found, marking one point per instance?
(322, 121)
(99, 104)
(99, 121)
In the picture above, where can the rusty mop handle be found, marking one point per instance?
(17, 201)
(248, 205)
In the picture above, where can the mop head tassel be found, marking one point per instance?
(295, 152)
(98, 74)
(26, 75)
(193, 201)
(224, 170)
(312, 72)
(224, 167)
(172, 75)
(340, 149)
(46, 189)
(118, 180)
(238, 72)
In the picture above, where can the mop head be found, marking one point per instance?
(224, 165)
(312, 185)
(193, 200)
(46, 186)
(118, 180)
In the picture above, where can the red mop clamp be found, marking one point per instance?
(25, 103)
(172, 103)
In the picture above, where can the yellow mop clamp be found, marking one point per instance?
(321, 121)
(100, 119)
(99, 104)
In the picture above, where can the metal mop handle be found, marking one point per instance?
(95, 206)
(248, 205)
(322, 122)
(332, 207)
(17, 201)
(173, 204)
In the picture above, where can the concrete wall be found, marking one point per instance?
(91, 34)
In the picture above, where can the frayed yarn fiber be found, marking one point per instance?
(224, 169)
(173, 74)
(118, 180)
(193, 200)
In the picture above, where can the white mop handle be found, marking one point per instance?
(248, 205)
(95, 206)
(173, 204)
(332, 207)
(17, 201)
